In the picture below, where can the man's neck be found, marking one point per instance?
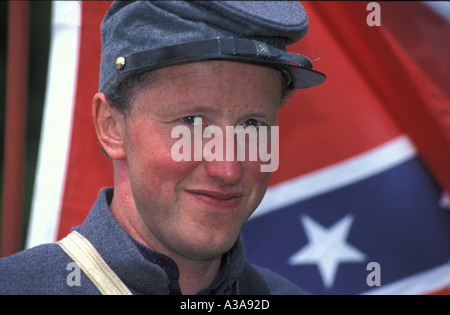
(194, 275)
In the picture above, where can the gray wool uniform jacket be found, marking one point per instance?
(47, 269)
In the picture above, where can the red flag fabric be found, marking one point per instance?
(351, 186)
(383, 114)
(87, 169)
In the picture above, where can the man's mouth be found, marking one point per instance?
(215, 198)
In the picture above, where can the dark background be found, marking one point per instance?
(39, 44)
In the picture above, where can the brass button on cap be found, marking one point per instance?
(120, 63)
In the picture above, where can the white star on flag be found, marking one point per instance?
(445, 201)
(327, 247)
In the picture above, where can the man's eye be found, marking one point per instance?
(192, 120)
(252, 122)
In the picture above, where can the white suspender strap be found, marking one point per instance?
(89, 260)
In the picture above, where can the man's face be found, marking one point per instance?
(197, 208)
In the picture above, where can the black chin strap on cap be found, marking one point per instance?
(220, 48)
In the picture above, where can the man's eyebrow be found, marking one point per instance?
(190, 109)
(183, 109)
(200, 108)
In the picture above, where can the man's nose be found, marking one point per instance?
(227, 172)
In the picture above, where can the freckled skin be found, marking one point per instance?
(153, 197)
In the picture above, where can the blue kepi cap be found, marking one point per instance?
(139, 36)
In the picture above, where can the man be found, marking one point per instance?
(169, 226)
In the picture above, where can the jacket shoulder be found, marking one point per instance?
(43, 269)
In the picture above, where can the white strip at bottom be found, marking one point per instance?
(338, 175)
(56, 124)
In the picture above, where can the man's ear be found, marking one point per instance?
(108, 124)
